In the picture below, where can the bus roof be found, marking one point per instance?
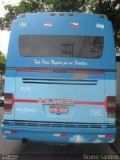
(71, 14)
(61, 23)
(39, 22)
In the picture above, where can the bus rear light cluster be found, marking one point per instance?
(111, 106)
(8, 102)
(10, 132)
(60, 135)
(105, 136)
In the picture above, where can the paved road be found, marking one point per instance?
(40, 151)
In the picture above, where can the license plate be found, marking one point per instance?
(58, 109)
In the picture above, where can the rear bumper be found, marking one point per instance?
(60, 135)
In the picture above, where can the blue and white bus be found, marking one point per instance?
(60, 83)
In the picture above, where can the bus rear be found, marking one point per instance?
(60, 83)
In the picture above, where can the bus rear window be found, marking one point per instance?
(61, 46)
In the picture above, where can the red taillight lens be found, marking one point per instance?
(111, 106)
(108, 136)
(64, 135)
(8, 101)
(14, 132)
(111, 103)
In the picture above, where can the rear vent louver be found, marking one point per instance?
(59, 81)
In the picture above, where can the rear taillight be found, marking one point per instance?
(105, 136)
(10, 132)
(8, 102)
(111, 106)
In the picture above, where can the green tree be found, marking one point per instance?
(111, 8)
(68, 6)
(2, 62)
(12, 11)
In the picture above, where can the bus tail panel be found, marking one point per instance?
(68, 98)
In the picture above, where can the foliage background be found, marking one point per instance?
(111, 8)
(2, 63)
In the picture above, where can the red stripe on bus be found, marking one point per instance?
(66, 71)
(27, 70)
(75, 102)
(89, 72)
(89, 103)
(25, 101)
